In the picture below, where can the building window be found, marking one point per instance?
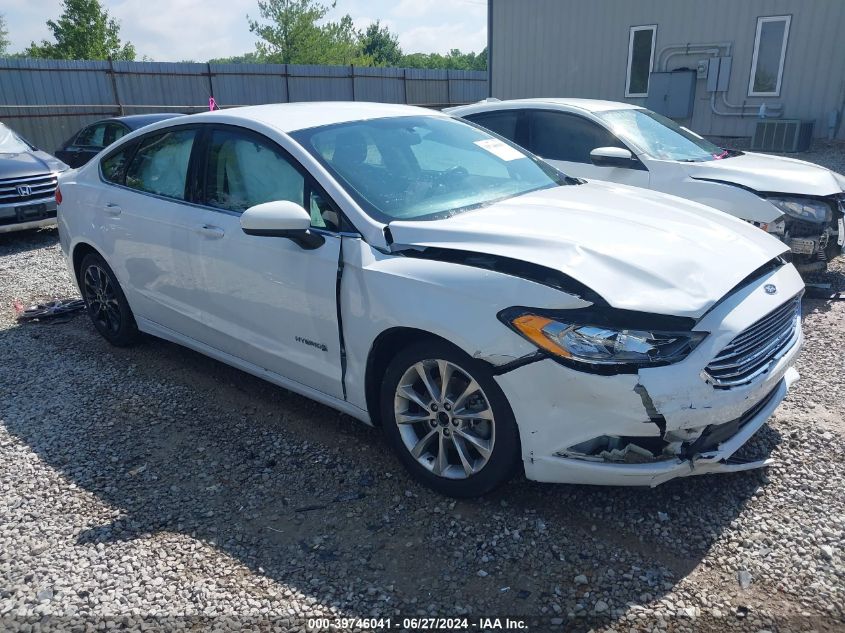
(640, 59)
(769, 53)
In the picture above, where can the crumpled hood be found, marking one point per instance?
(765, 173)
(24, 164)
(638, 249)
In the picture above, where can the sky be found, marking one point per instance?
(175, 30)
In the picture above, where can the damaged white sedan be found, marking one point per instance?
(417, 273)
(800, 203)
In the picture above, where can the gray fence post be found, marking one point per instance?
(210, 82)
(117, 101)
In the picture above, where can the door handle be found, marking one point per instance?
(113, 209)
(211, 232)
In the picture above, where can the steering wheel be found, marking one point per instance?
(450, 175)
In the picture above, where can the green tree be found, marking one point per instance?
(454, 59)
(380, 45)
(4, 36)
(84, 31)
(290, 34)
(246, 58)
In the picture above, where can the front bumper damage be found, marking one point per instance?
(659, 424)
(814, 244)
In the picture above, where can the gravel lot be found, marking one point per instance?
(155, 487)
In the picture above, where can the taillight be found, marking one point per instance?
(58, 196)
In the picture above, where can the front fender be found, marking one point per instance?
(734, 199)
(457, 302)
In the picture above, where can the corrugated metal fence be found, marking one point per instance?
(48, 100)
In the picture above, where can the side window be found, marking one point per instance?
(243, 171)
(568, 137)
(113, 167)
(502, 123)
(114, 131)
(769, 54)
(640, 59)
(92, 136)
(160, 165)
(323, 213)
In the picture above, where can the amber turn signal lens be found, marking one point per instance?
(531, 327)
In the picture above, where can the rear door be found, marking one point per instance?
(150, 229)
(267, 300)
(566, 140)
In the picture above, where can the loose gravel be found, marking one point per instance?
(155, 488)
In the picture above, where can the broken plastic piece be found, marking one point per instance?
(50, 310)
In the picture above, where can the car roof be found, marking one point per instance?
(587, 105)
(290, 117)
(136, 121)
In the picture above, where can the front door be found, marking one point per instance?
(266, 300)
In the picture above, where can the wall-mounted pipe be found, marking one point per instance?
(774, 108)
(713, 53)
(743, 114)
(692, 48)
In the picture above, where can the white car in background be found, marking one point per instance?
(797, 201)
(418, 273)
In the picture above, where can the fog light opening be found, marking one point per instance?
(620, 449)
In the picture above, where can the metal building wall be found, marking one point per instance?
(579, 48)
(81, 92)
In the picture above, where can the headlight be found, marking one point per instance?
(608, 347)
(804, 208)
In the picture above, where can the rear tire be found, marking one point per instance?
(460, 439)
(105, 302)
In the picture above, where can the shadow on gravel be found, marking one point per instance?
(23, 241)
(835, 276)
(312, 500)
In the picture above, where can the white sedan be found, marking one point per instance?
(417, 273)
(800, 202)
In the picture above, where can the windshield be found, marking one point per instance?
(424, 167)
(11, 143)
(660, 137)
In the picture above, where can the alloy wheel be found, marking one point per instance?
(102, 301)
(445, 419)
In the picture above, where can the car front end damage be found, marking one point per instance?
(658, 423)
(811, 227)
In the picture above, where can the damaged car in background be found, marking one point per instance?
(420, 274)
(799, 202)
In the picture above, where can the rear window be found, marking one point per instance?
(502, 123)
(113, 167)
(160, 165)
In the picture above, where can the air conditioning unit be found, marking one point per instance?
(782, 135)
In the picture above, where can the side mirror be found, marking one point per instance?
(281, 218)
(612, 157)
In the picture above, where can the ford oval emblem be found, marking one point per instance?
(770, 289)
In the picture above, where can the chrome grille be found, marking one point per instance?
(28, 189)
(756, 348)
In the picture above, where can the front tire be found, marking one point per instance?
(448, 420)
(105, 302)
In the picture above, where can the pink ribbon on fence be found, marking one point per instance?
(212, 104)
